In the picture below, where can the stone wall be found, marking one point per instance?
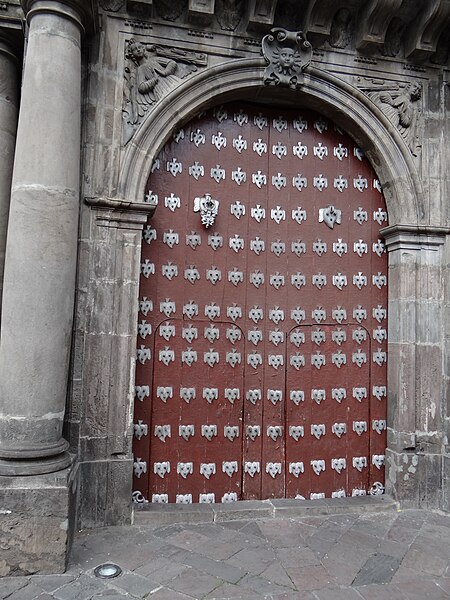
(370, 61)
(218, 57)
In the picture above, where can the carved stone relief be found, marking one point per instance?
(201, 11)
(403, 107)
(394, 37)
(341, 29)
(151, 71)
(261, 13)
(112, 5)
(288, 15)
(287, 54)
(170, 10)
(229, 13)
(442, 49)
(389, 27)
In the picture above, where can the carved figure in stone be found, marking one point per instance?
(152, 77)
(287, 54)
(151, 72)
(341, 29)
(394, 37)
(228, 13)
(170, 10)
(402, 107)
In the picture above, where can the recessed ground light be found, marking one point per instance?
(107, 571)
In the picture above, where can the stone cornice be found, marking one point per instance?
(413, 31)
(115, 212)
(414, 237)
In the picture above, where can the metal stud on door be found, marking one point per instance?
(262, 344)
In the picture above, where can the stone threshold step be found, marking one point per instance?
(164, 514)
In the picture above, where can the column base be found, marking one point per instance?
(37, 466)
(38, 522)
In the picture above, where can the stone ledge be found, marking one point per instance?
(167, 514)
(243, 510)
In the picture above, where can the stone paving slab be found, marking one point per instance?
(357, 554)
(379, 568)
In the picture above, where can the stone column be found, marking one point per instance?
(8, 127)
(41, 249)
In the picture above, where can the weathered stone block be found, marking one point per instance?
(446, 482)
(429, 388)
(429, 276)
(402, 479)
(96, 385)
(402, 275)
(93, 494)
(401, 387)
(105, 493)
(100, 307)
(429, 322)
(37, 516)
(429, 481)
(125, 319)
(402, 321)
(400, 441)
(93, 447)
(414, 479)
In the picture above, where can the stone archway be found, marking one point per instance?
(388, 154)
(345, 104)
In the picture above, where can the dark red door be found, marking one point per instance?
(261, 361)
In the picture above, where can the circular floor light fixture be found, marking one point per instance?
(107, 571)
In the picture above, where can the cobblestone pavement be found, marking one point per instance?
(392, 555)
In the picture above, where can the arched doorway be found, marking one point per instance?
(262, 338)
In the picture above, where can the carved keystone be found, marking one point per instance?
(288, 54)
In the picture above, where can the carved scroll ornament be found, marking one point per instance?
(287, 54)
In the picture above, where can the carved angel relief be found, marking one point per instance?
(288, 54)
(151, 71)
(402, 106)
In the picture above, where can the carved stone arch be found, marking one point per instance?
(322, 91)
(414, 246)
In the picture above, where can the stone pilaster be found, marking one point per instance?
(8, 126)
(415, 366)
(41, 249)
(100, 409)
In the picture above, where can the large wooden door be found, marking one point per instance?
(261, 360)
